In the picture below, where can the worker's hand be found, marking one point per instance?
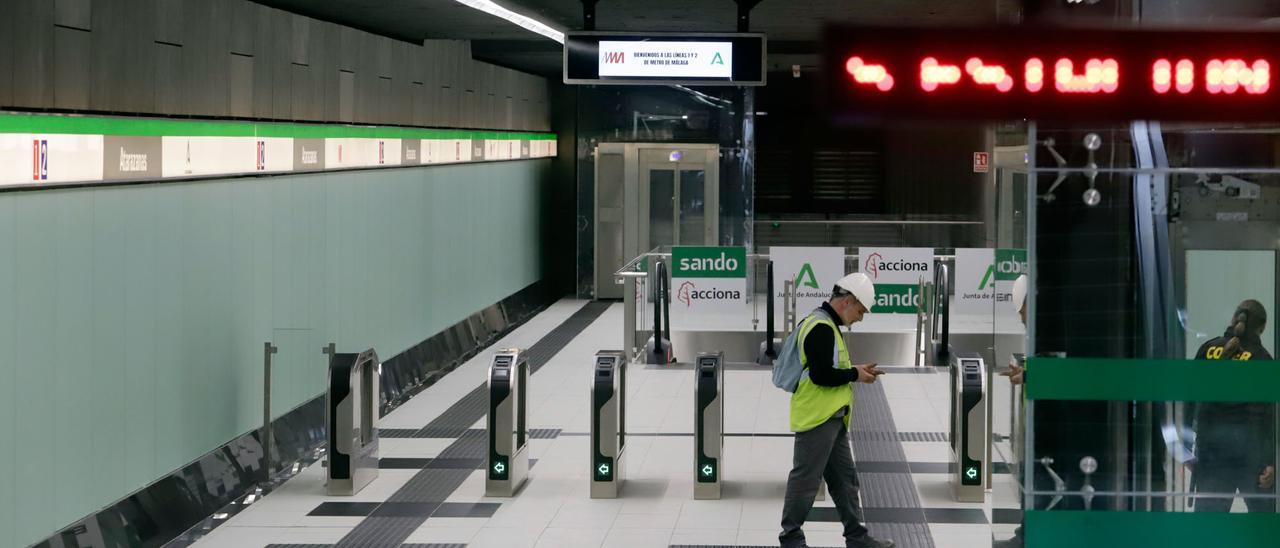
(1015, 374)
(1267, 479)
(867, 373)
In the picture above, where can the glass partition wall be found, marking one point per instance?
(1150, 245)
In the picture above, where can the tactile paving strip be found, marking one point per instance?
(873, 417)
(431, 486)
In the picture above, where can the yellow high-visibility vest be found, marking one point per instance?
(812, 405)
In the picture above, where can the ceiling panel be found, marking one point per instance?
(795, 25)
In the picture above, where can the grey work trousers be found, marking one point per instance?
(822, 453)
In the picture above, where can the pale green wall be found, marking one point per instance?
(1217, 280)
(132, 318)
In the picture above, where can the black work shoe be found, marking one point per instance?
(870, 542)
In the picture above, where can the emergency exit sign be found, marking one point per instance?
(981, 162)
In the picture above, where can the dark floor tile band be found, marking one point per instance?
(451, 432)
(401, 546)
(973, 516)
(431, 486)
(437, 463)
(1006, 515)
(358, 509)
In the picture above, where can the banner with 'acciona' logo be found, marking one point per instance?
(897, 272)
(707, 283)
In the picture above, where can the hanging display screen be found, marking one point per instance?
(657, 58)
(1051, 73)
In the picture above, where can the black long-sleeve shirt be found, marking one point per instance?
(1243, 430)
(819, 351)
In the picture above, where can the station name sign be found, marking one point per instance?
(659, 58)
(1007, 73)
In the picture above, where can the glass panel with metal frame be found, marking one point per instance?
(1147, 242)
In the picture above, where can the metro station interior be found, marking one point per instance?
(541, 273)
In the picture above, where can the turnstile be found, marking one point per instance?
(351, 409)
(608, 423)
(968, 427)
(708, 429)
(508, 462)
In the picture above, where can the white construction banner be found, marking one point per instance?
(975, 286)
(984, 280)
(707, 284)
(897, 273)
(815, 270)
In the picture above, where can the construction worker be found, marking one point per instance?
(820, 410)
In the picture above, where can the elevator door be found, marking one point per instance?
(651, 195)
(679, 197)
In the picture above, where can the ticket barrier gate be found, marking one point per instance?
(708, 432)
(608, 423)
(658, 349)
(351, 409)
(968, 427)
(508, 462)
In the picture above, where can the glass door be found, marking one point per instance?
(679, 189)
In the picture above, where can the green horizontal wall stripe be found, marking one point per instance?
(1152, 380)
(1073, 529)
(102, 125)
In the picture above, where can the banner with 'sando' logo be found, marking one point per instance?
(897, 272)
(708, 285)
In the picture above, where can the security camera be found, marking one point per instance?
(1229, 186)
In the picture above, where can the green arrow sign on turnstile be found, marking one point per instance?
(499, 468)
(971, 473)
(707, 470)
(603, 469)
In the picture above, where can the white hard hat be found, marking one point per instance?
(861, 287)
(1020, 292)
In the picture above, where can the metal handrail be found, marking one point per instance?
(627, 270)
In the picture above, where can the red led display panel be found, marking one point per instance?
(1050, 73)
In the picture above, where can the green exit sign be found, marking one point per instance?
(972, 475)
(706, 472)
(499, 469)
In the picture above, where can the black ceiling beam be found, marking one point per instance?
(744, 14)
(589, 14)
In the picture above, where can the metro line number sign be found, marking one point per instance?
(1052, 73)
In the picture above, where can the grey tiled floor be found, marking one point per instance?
(657, 507)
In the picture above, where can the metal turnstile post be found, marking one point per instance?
(658, 350)
(508, 462)
(351, 406)
(968, 427)
(608, 423)
(769, 348)
(708, 434)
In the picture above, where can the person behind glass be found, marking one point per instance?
(1235, 442)
(820, 409)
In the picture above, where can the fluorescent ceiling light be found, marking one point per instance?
(528, 23)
